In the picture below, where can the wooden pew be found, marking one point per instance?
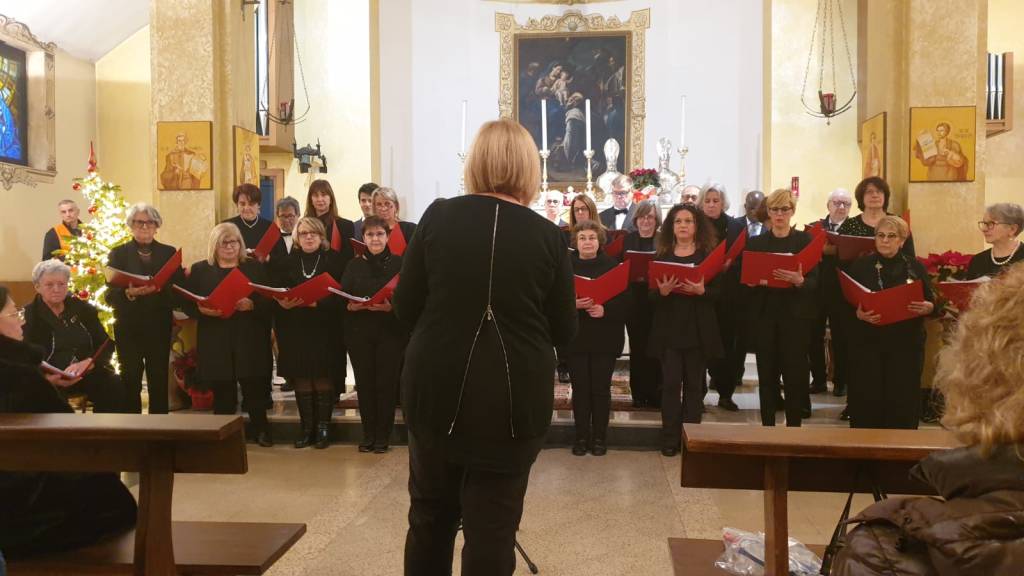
(157, 447)
(779, 459)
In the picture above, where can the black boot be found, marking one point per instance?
(324, 408)
(261, 428)
(307, 418)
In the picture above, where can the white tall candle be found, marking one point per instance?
(544, 124)
(588, 124)
(682, 124)
(463, 127)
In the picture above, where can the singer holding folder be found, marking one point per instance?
(644, 370)
(233, 351)
(247, 198)
(374, 336)
(872, 195)
(886, 361)
(144, 314)
(386, 206)
(304, 332)
(684, 333)
(780, 318)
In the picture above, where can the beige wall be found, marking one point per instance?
(123, 117)
(1004, 178)
(824, 156)
(28, 212)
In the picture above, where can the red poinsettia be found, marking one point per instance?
(946, 266)
(644, 177)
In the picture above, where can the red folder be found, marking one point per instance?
(224, 297)
(959, 292)
(737, 246)
(310, 291)
(639, 262)
(396, 241)
(127, 279)
(891, 303)
(616, 243)
(383, 294)
(335, 237)
(758, 266)
(358, 247)
(604, 287)
(851, 247)
(706, 270)
(267, 243)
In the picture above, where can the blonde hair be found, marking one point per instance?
(981, 370)
(504, 160)
(899, 224)
(317, 226)
(780, 197)
(219, 233)
(387, 194)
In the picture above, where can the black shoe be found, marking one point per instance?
(805, 413)
(287, 386)
(728, 404)
(366, 445)
(324, 408)
(563, 374)
(579, 449)
(261, 428)
(818, 387)
(845, 414)
(264, 439)
(306, 402)
(839, 389)
(380, 449)
(669, 451)
(599, 448)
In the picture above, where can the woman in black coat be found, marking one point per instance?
(644, 370)
(48, 512)
(375, 338)
(780, 318)
(304, 332)
(886, 361)
(487, 284)
(236, 350)
(247, 199)
(591, 355)
(684, 334)
(144, 316)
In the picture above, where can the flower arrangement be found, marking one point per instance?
(644, 177)
(184, 366)
(943, 267)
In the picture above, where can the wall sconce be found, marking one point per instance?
(309, 157)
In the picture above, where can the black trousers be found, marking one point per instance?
(144, 348)
(816, 350)
(378, 367)
(885, 390)
(725, 374)
(781, 345)
(104, 389)
(644, 371)
(683, 371)
(591, 376)
(225, 395)
(441, 493)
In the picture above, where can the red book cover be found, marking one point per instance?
(851, 247)
(891, 303)
(737, 247)
(706, 270)
(224, 297)
(383, 294)
(358, 247)
(127, 279)
(310, 291)
(616, 243)
(335, 237)
(959, 292)
(396, 241)
(758, 266)
(604, 287)
(267, 243)
(639, 262)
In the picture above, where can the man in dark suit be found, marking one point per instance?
(287, 214)
(366, 206)
(839, 203)
(620, 215)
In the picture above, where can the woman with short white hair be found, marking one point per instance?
(386, 206)
(1001, 226)
(144, 315)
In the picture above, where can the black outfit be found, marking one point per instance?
(607, 217)
(252, 232)
(143, 327)
(346, 231)
(685, 336)
(982, 264)
(727, 373)
(51, 242)
(236, 350)
(644, 370)
(477, 386)
(376, 341)
(856, 227)
(832, 313)
(45, 512)
(591, 357)
(780, 320)
(408, 230)
(886, 361)
(76, 335)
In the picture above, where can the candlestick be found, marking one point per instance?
(462, 173)
(588, 124)
(463, 147)
(682, 123)
(544, 168)
(544, 125)
(683, 150)
(588, 154)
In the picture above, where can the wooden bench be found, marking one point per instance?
(778, 460)
(157, 447)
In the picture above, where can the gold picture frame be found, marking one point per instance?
(246, 156)
(184, 155)
(943, 143)
(573, 25)
(873, 146)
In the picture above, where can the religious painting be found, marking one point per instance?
(558, 63)
(247, 157)
(942, 144)
(872, 146)
(184, 155)
(13, 106)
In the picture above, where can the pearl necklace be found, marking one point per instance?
(1006, 260)
(303, 265)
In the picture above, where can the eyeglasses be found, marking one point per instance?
(20, 313)
(229, 243)
(307, 234)
(553, 202)
(619, 192)
(884, 236)
(144, 223)
(986, 225)
(780, 209)
(581, 210)
(841, 204)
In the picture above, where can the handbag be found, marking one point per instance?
(838, 541)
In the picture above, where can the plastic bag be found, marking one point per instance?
(744, 555)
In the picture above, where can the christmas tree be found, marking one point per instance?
(87, 254)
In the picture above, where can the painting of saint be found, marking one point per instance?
(184, 150)
(247, 156)
(872, 146)
(943, 144)
(13, 106)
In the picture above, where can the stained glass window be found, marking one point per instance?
(13, 106)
